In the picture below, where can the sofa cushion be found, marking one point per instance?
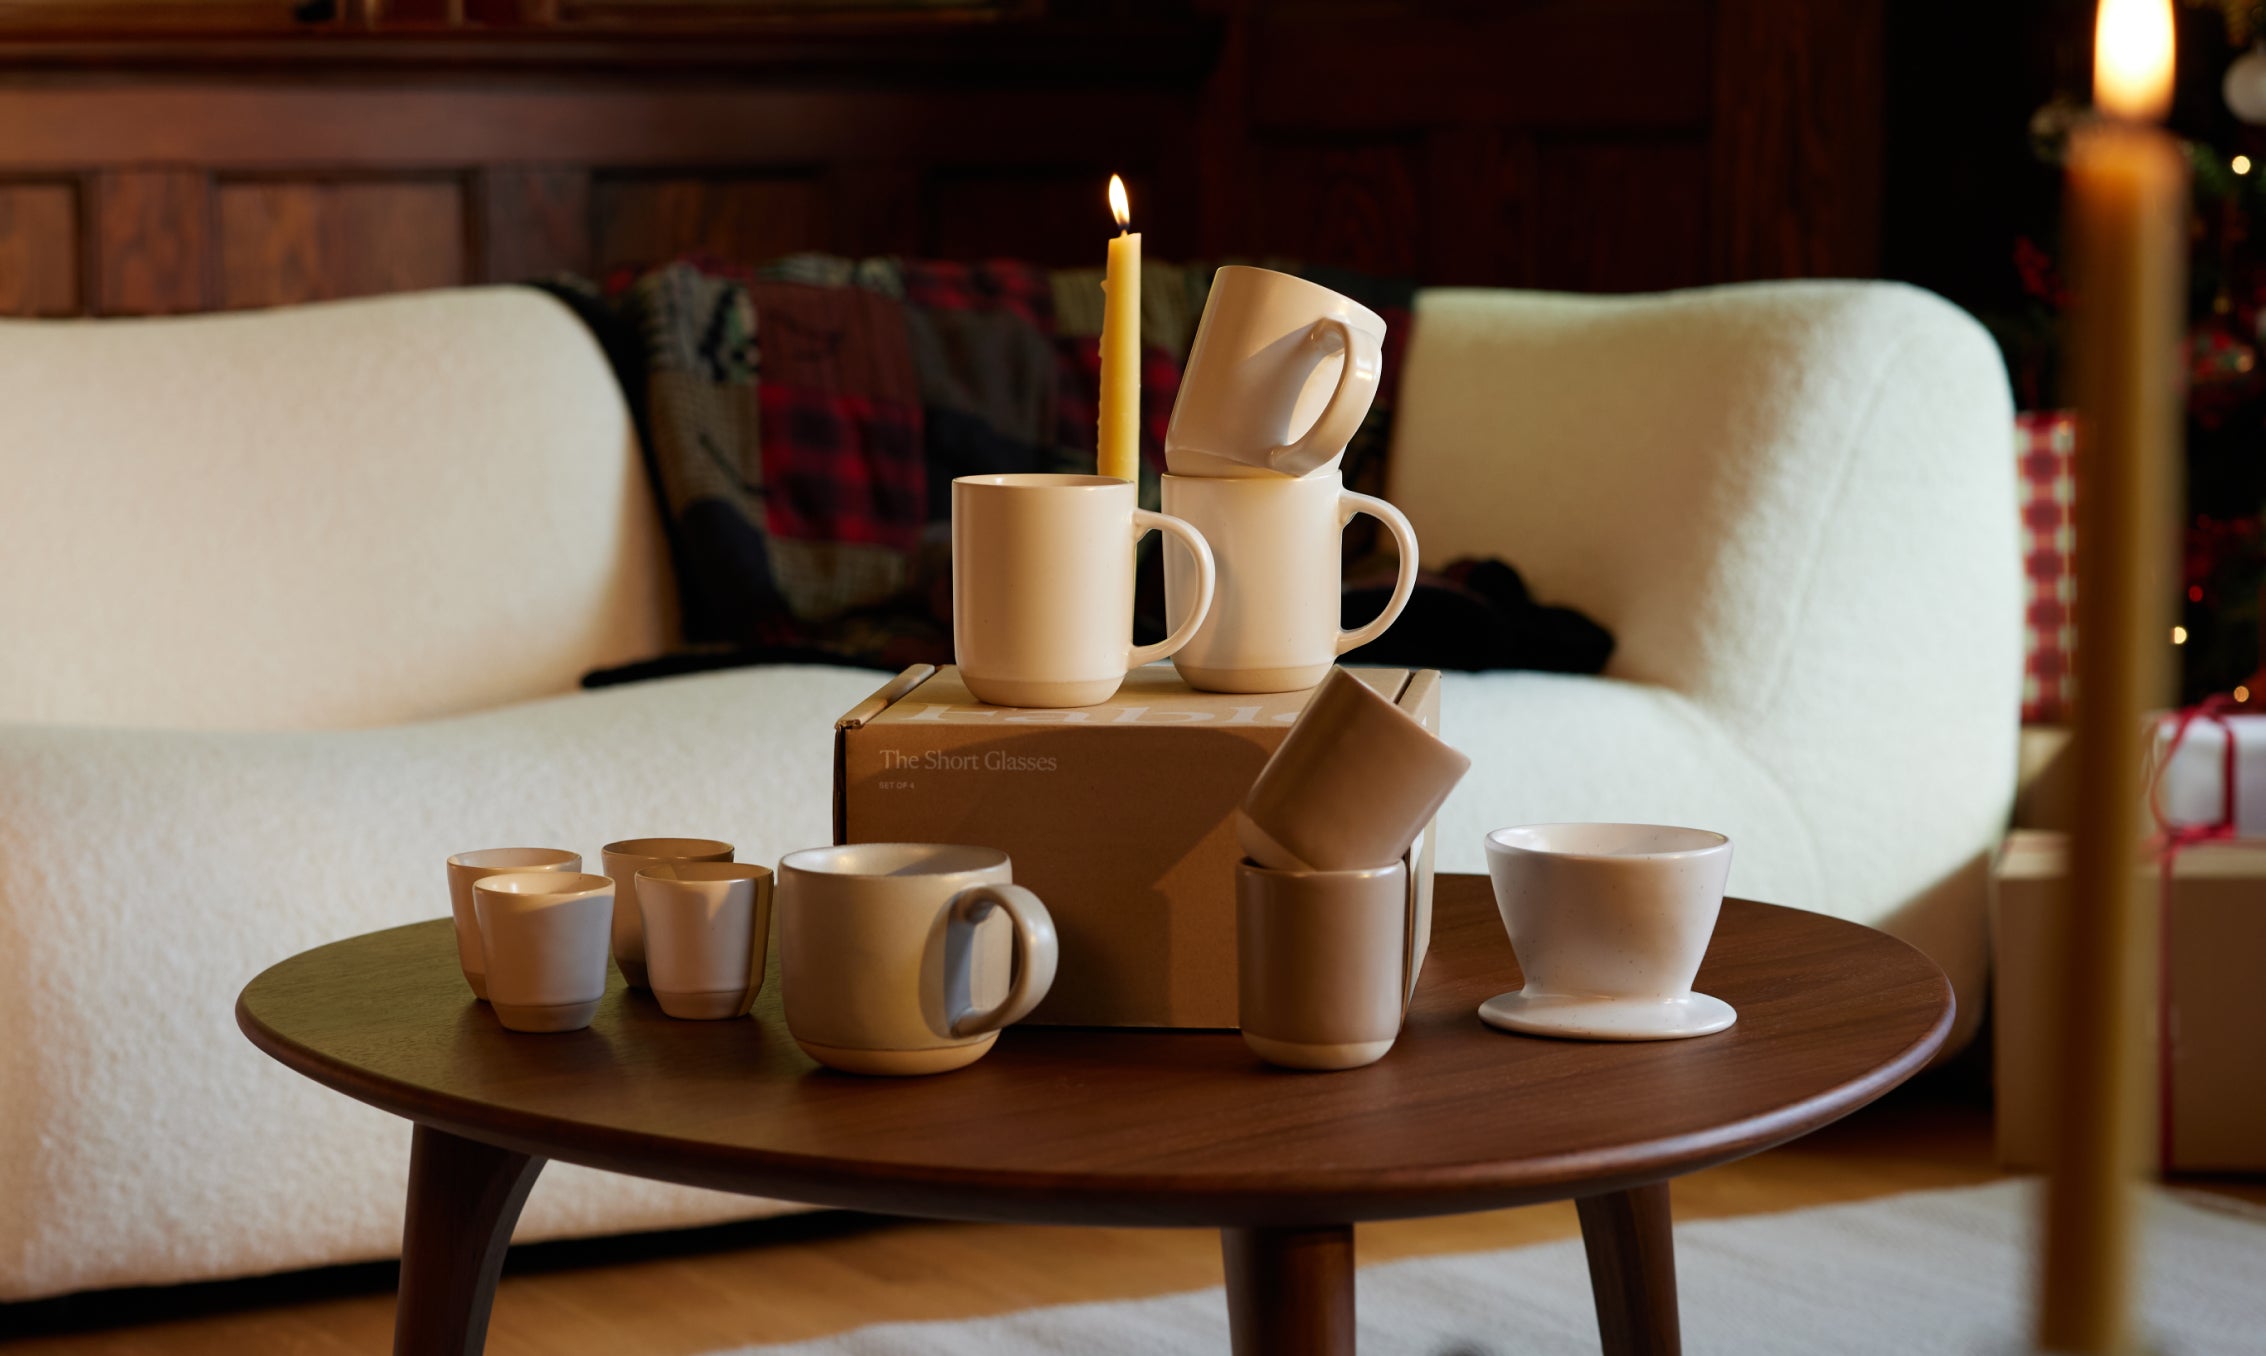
(325, 516)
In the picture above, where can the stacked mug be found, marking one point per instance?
(1280, 376)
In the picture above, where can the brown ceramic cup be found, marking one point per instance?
(623, 860)
(1353, 784)
(1321, 963)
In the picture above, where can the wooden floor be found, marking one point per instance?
(673, 1295)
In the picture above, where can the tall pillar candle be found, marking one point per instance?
(2127, 199)
(1118, 444)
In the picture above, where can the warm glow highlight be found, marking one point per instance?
(2240, 164)
(2179, 635)
(1118, 206)
(2132, 58)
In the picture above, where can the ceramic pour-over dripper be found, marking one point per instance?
(1279, 378)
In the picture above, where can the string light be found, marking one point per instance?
(2179, 635)
(2240, 164)
(2242, 694)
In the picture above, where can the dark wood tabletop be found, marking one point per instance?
(1080, 1126)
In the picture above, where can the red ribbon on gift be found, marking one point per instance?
(2170, 840)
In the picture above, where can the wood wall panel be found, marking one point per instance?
(534, 222)
(1622, 216)
(290, 241)
(153, 242)
(1340, 202)
(640, 220)
(39, 249)
(1059, 217)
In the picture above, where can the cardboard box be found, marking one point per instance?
(2215, 952)
(1120, 816)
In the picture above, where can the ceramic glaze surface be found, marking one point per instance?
(706, 927)
(623, 860)
(1280, 375)
(1609, 922)
(1042, 586)
(465, 868)
(1352, 785)
(1321, 963)
(1277, 542)
(894, 960)
(545, 934)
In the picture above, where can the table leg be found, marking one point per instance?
(1632, 1270)
(464, 1196)
(1290, 1291)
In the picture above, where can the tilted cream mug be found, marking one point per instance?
(1609, 923)
(465, 868)
(1276, 544)
(1042, 587)
(1280, 375)
(623, 860)
(893, 962)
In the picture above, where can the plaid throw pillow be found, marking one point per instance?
(2046, 446)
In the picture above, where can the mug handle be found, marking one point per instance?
(1035, 957)
(1206, 577)
(1349, 403)
(1351, 504)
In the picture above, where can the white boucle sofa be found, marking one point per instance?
(295, 603)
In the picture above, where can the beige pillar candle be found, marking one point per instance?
(2127, 220)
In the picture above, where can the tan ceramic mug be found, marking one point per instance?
(706, 926)
(1279, 377)
(1321, 964)
(545, 935)
(465, 868)
(1352, 785)
(1273, 623)
(894, 960)
(623, 860)
(1042, 587)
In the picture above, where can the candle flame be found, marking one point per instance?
(2132, 58)
(1118, 206)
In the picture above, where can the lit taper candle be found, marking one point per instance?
(2127, 218)
(1119, 439)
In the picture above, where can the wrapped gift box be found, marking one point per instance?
(1120, 816)
(2213, 1046)
(2194, 780)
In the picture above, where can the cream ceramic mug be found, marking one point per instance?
(707, 925)
(894, 961)
(465, 868)
(1042, 586)
(1273, 623)
(545, 934)
(1280, 375)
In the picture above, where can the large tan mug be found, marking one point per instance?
(1280, 375)
(1276, 542)
(1042, 586)
(907, 958)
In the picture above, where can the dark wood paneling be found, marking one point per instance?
(39, 249)
(1621, 216)
(641, 220)
(1481, 205)
(152, 241)
(1796, 165)
(1340, 203)
(290, 241)
(534, 222)
(1058, 216)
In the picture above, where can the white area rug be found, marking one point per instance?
(1937, 1271)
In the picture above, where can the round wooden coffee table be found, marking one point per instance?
(1062, 1126)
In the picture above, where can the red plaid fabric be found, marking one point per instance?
(840, 467)
(1078, 407)
(998, 284)
(2046, 444)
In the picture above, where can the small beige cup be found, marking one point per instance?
(465, 868)
(1042, 587)
(893, 960)
(545, 934)
(1353, 783)
(706, 927)
(1321, 964)
(623, 860)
